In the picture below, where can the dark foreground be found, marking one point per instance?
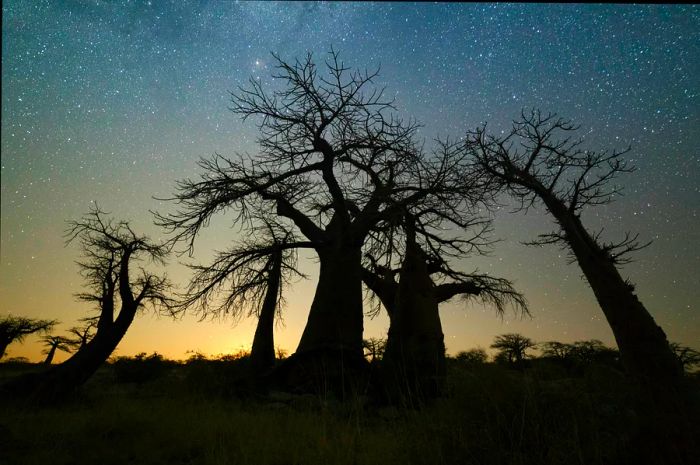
(149, 411)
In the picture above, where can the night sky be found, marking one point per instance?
(114, 101)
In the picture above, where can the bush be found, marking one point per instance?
(140, 368)
(476, 356)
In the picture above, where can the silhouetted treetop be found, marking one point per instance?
(236, 282)
(331, 156)
(540, 158)
(512, 347)
(109, 248)
(16, 328)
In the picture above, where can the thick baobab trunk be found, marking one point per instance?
(415, 350)
(329, 356)
(262, 354)
(644, 349)
(335, 319)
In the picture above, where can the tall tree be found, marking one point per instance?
(539, 161)
(111, 249)
(333, 162)
(249, 279)
(16, 328)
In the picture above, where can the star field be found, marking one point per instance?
(114, 101)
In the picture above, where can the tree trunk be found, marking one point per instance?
(335, 319)
(66, 377)
(49, 356)
(329, 357)
(415, 350)
(644, 349)
(3, 347)
(262, 354)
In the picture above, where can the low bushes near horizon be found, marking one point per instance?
(544, 413)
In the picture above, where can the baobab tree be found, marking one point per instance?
(539, 161)
(512, 347)
(53, 344)
(334, 163)
(16, 328)
(111, 252)
(415, 350)
(248, 279)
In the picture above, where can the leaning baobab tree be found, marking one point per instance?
(53, 344)
(539, 160)
(112, 251)
(333, 162)
(16, 328)
(249, 278)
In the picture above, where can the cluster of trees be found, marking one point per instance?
(514, 349)
(338, 173)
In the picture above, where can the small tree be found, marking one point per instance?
(16, 328)
(512, 347)
(557, 350)
(54, 343)
(476, 356)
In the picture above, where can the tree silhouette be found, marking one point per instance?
(54, 343)
(512, 347)
(82, 334)
(16, 328)
(334, 163)
(374, 348)
(557, 350)
(585, 352)
(539, 160)
(415, 352)
(476, 356)
(110, 249)
(249, 278)
(687, 356)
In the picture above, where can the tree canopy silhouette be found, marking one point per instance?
(334, 163)
(83, 333)
(16, 328)
(512, 347)
(53, 344)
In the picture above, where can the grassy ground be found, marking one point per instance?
(171, 414)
